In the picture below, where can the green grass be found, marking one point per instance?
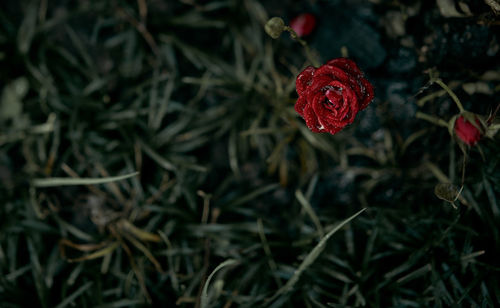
(165, 165)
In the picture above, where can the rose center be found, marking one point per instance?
(333, 96)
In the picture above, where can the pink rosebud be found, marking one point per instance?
(303, 24)
(466, 131)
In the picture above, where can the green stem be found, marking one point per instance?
(429, 118)
(309, 53)
(450, 92)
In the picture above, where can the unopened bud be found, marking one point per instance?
(274, 27)
(447, 191)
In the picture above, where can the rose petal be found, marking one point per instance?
(332, 72)
(466, 131)
(332, 129)
(311, 119)
(350, 99)
(304, 79)
(362, 87)
(346, 65)
(324, 116)
(349, 108)
(320, 85)
(367, 90)
(300, 105)
(334, 96)
(303, 24)
(331, 96)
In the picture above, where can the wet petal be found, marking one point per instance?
(346, 65)
(304, 79)
(311, 119)
(331, 95)
(466, 131)
(300, 105)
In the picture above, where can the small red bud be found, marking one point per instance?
(303, 24)
(466, 131)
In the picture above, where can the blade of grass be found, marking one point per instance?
(12, 276)
(233, 153)
(311, 257)
(173, 276)
(74, 274)
(254, 194)
(160, 160)
(69, 228)
(36, 269)
(139, 233)
(52, 182)
(491, 197)
(415, 274)
(100, 253)
(69, 300)
(310, 211)
(122, 303)
(267, 250)
(82, 51)
(163, 104)
(52, 266)
(145, 251)
(135, 268)
(204, 294)
(153, 97)
(27, 29)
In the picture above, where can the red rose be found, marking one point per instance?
(331, 95)
(303, 24)
(466, 131)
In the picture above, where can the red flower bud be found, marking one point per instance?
(303, 24)
(466, 131)
(331, 95)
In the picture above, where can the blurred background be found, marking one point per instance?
(198, 99)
